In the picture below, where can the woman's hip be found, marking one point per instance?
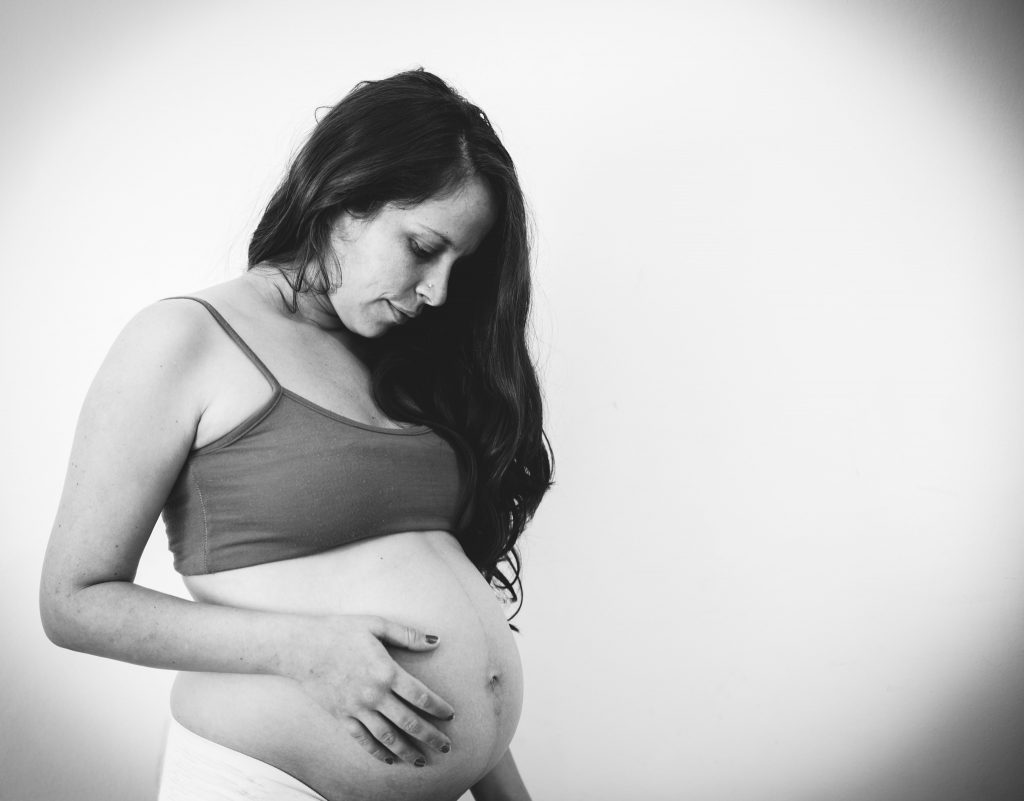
(197, 769)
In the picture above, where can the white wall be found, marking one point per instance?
(779, 315)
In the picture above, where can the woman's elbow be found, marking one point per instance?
(59, 613)
(53, 619)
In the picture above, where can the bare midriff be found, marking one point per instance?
(420, 579)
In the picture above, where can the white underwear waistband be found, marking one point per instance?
(197, 769)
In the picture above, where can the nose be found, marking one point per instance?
(433, 286)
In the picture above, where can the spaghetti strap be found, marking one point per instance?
(235, 337)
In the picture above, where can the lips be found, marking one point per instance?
(401, 315)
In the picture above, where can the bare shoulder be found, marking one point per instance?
(178, 320)
(173, 335)
(161, 360)
(134, 432)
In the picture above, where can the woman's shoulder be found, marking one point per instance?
(187, 320)
(177, 325)
(176, 331)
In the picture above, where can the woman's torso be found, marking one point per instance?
(418, 578)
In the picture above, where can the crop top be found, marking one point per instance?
(296, 479)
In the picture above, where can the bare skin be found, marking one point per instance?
(318, 665)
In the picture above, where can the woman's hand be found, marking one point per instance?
(138, 423)
(342, 664)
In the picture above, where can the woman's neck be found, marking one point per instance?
(311, 308)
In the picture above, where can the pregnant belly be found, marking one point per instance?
(417, 579)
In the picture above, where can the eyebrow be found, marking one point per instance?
(440, 236)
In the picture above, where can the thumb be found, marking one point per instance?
(406, 637)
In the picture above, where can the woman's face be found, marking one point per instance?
(399, 261)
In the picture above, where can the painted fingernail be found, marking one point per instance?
(445, 749)
(390, 761)
(419, 763)
(431, 638)
(451, 716)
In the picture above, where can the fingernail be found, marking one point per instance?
(419, 763)
(451, 716)
(390, 761)
(445, 749)
(431, 638)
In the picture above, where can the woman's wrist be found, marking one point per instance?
(296, 636)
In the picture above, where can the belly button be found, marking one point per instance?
(497, 692)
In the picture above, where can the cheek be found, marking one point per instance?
(387, 272)
(399, 278)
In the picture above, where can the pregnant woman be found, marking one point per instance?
(345, 443)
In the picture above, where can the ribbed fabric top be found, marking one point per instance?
(296, 479)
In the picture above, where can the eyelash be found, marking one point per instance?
(419, 252)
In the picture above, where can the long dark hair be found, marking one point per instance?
(463, 368)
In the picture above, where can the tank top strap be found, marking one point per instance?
(231, 332)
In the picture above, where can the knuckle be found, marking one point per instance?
(423, 700)
(358, 734)
(370, 696)
(411, 725)
(385, 675)
(352, 727)
(388, 737)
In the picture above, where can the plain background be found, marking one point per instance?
(779, 323)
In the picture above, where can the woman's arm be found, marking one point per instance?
(137, 425)
(503, 783)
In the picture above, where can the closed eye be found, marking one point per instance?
(420, 252)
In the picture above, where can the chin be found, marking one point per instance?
(373, 330)
(367, 328)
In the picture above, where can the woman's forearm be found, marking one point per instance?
(121, 620)
(503, 783)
